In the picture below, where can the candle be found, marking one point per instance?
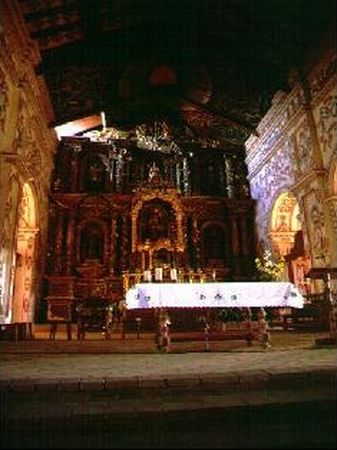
(103, 120)
(147, 275)
(158, 274)
(173, 274)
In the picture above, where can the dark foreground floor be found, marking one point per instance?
(295, 425)
(282, 397)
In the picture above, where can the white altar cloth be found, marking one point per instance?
(216, 295)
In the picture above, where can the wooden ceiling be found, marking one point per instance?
(210, 65)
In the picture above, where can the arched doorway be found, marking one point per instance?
(287, 238)
(23, 296)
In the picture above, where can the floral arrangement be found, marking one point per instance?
(267, 269)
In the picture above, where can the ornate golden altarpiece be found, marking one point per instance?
(109, 228)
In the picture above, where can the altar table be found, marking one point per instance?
(214, 295)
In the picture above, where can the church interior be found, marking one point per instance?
(163, 141)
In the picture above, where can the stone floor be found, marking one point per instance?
(40, 361)
(126, 392)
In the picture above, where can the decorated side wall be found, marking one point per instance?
(27, 146)
(295, 152)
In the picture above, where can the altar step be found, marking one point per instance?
(89, 345)
(93, 344)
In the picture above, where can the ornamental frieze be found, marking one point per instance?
(326, 117)
(276, 175)
(304, 149)
(316, 224)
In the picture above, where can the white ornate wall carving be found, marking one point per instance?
(294, 152)
(27, 144)
(326, 120)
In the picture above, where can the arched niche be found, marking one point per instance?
(284, 223)
(93, 235)
(287, 238)
(23, 290)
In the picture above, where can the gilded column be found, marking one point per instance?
(186, 177)
(133, 232)
(119, 173)
(125, 243)
(196, 242)
(230, 178)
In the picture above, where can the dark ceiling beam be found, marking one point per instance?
(232, 121)
(53, 31)
(51, 12)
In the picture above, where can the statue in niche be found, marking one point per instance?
(154, 175)
(282, 223)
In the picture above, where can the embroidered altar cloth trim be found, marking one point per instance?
(216, 295)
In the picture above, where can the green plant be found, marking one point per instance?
(267, 269)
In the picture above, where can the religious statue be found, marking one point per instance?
(154, 174)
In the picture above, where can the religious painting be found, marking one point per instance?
(155, 221)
